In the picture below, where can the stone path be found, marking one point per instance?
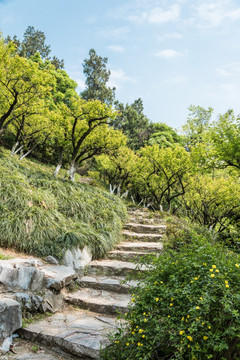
(90, 314)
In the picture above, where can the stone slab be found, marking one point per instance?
(77, 332)
(106, 283)
(58, 276)
(100, 301)
(132, 236)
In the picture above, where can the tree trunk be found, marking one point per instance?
(14, 151)
(72, 170)
(59, 165)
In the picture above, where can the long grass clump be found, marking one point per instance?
(41, 215)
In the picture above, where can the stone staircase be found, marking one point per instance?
(99, 294)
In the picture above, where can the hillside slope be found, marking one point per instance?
(41, 215)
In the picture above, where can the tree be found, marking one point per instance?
(89, 132)
(197, 123)
(97, 76)
(117, 169)
(132, 121)
(163, 135)
(162, 175)
(22, 85)
(225, 135)
(213, 202)
(33, 42)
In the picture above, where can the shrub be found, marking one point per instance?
(187, 307)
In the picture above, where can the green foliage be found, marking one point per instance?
(97, 76)
(187, 307)
(161, 174)
(213, 202)
(132, 121)
(225, 135)
(43, 216)
(197, 123)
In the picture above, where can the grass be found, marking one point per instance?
(41, 215)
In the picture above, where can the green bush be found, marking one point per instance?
(41, 215)
(187, 307)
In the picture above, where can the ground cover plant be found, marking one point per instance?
(41, 215)
(187, 307)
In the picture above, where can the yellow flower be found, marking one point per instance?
(157, 299)
(203, 323)
(182, 318)
(143, 336)
(145, 320)
(209, 327)
(227, 286)
(204, 264)
(188, 346)
(156, 282)
(188, 316)
(214, 267)
(171, 304)
(197, 307)
(161, 282)
(168, 316)
(141, 331)
(116, 342)
(212, 275)
(201, 298)
(127, 343)
(172, 299)
(217, 271)
(136, 327)
(205, 337)
(196, 278)
(211, 270)
(190, 338)
(181, 332)
(133, 300)
(237, 265)
(226, 282)
(133, 332)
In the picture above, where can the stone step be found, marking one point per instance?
(74, 332)
(145, 228)
(149, 247)
(99, 301)
(124, 255)
(112, 268)
(106, 283)
(132, 236)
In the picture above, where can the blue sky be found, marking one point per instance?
(171, 53)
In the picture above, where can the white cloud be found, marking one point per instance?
(179, 79)
(229, 70)
(78, 77)
(212, 14)
(116, 33)
(157, 15)
(168, 54)
(116, 48)
(174, 35)
(118, 78)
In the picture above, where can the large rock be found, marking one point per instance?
(10, 317)
(77, 258)
(21, 275)
(58, 276)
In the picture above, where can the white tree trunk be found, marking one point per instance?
(72, 171)
(124, 195)
(25, 155)
(57, 170)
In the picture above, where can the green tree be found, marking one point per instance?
(162, 175)
(225, 135)
(197, 123)
(163, 135)
(34, 41)
(97, 76)
(132, 121)
(22, 85)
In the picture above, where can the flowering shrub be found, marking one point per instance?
(187, 307)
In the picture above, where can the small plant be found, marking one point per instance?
(35, 348)
(186, 308)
